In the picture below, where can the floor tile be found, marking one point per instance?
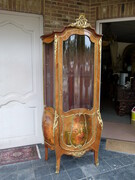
(41, 146)
(51, 158)
(132, 157)
(7, 170)
(42, 153)
(114, 163)
(131, 171)
(90, 170)
(48, 177)
(85, 160)
(26, 174)
(104, 176)
(52, 168)
(39, 163)
(106, 155)
(103, 167)
(102, 144)
(125, 173)
(66, 158)
(89, 153)
(24, 165)
(41, 171)
(51, 152)
(126, 160)
(70, 164)
(61, 176)
(41, 149)
(12, 176)
(91, 178)
(112, 166)
(76, 174)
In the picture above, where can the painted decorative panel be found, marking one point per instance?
(78, 130)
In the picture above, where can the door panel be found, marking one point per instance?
(16, 60)
(23, 126)
(77, 90)
(21, 96)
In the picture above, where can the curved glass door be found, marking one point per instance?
(78, 72)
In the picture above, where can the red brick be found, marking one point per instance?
(64, 12)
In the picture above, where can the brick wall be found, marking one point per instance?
(59, 13)
(27, 6)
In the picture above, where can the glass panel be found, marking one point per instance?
(78, 72)
(49, 75)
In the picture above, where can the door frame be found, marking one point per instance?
(100, 22)
(99, 31)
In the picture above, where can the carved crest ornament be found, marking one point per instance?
(81, 22)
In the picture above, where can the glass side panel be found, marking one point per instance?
(49, 75)
(78, 72)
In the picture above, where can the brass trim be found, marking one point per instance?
(94, 131)
(100, 43)
(81, 22)
(55, 45)
(57, 171)
(99, 118)
(78, 154)
(97, 163)
(86, 127)
(75, 114)
(48, 143)
(55, 124)
(55, 55)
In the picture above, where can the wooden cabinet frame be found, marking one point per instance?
(78, 130)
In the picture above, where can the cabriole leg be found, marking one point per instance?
(46, 152)
(58, 157)
(96, 158)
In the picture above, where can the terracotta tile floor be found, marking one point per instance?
(113, 166)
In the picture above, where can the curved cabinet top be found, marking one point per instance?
(81, 24)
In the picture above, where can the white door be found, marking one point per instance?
(21, 90)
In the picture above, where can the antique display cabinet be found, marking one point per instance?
(72, 123)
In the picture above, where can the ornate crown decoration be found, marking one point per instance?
(81, 22)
